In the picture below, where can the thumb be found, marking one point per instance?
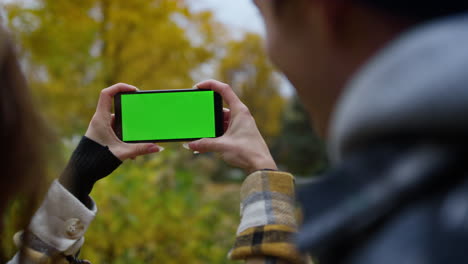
(207, 145)
(135, 150)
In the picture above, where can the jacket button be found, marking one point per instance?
(74, 228)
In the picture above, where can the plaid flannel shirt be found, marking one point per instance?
(268, 225)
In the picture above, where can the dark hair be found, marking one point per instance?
(418, 9)
(23, 136)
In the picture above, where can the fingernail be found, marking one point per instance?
(195, 87)
(161, 149)
(196, 152)
(186, 146)
(154, 148)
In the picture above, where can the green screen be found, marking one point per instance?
(168, 115)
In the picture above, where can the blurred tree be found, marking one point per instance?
(246, 67)
(73, 49)
(152, 213)
(298, 149)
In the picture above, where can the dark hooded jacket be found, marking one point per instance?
(398, 190)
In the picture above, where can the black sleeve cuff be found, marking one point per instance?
(89, 163)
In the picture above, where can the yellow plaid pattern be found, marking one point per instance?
(268, 220)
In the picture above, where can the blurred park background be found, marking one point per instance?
(172, 207)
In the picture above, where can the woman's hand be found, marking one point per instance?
(101, 127)
(242, 145)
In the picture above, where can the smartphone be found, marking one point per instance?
(168, 115)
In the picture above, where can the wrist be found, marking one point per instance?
(262, 163)
(89, 162)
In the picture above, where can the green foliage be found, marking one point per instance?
(298, 149)
(152, 213)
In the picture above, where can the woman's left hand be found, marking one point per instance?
(101, 127)
(242, 145)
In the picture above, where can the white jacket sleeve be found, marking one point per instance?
(61, 221)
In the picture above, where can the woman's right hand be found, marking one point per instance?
(242, 145)
(101, 128)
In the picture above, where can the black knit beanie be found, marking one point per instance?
(419, 9)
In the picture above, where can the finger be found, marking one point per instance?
(105, 99)
(135, 150)
(207, 145)
(224, 90)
